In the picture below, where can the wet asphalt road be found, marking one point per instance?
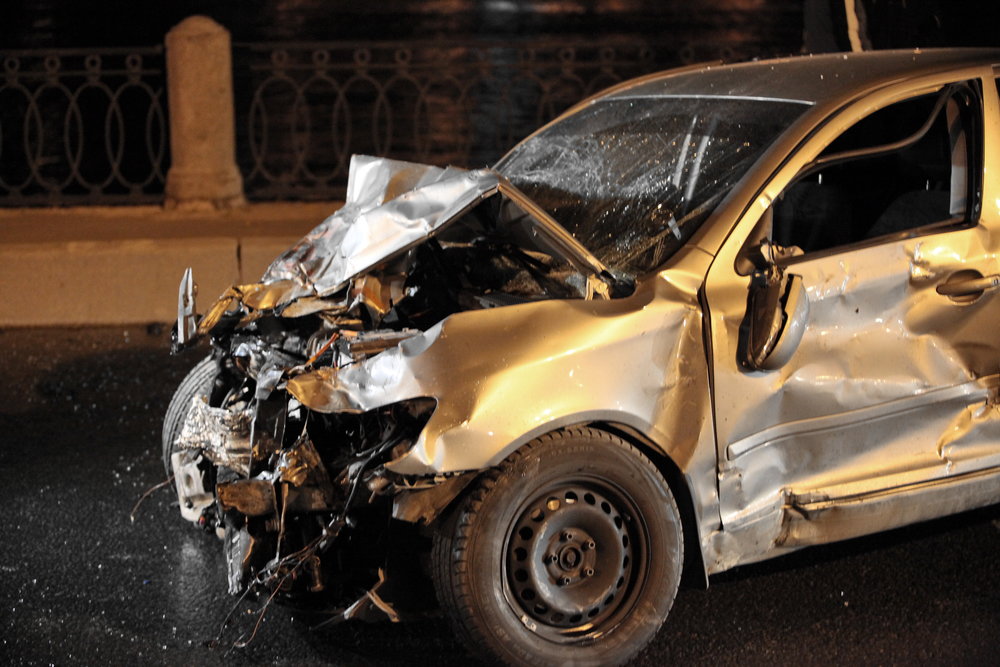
(80, 416)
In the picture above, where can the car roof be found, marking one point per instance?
(808, 79)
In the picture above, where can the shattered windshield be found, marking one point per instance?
(633, 178)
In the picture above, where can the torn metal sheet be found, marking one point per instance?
(325, 273)
(222, 436)
(366, 232)
(252, 497)
(973, 432)
(186, 309)
(423, 502)
(238, 545)
(371, 606)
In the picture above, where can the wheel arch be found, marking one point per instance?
(695, 574)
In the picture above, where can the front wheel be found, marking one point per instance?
(569, 552)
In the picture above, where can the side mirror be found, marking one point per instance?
(756, 257)
(775, 319)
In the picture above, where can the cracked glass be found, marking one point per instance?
(632, 178)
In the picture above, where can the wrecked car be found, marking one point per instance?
(704, 318)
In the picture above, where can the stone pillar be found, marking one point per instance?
(203, 171)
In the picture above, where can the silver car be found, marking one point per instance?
(702, 319)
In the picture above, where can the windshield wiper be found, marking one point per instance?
(557, 238)
(674, 228)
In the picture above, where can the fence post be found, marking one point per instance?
(203, 171)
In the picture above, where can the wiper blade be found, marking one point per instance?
(560, 239)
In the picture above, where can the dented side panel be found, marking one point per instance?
(886, 413)
(502, 377)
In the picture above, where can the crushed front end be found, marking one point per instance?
(303, 503)
(287, 432)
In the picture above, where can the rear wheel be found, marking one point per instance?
(199, 381)
(569, 552)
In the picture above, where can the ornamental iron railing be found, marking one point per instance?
(82, 127)
(303, 109)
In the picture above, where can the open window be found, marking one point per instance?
(908, 168)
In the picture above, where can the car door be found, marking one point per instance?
(855, 328)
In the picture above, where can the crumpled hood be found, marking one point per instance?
(390, 206)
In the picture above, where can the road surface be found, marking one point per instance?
(80, 414)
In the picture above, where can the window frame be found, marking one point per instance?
(975, 135)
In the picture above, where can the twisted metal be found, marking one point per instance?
(82, 127)
(303, 109)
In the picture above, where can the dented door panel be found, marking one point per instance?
(885, 414)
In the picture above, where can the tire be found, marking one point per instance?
(568, 552)
(200, 380)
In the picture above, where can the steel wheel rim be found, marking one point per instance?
(575, 559)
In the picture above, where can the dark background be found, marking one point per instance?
(457, 113)
(69, 23)
(765, 27)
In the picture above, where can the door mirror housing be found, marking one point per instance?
(775, 320)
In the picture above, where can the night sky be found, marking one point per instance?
(777, 23)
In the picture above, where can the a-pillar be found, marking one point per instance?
(203, 171)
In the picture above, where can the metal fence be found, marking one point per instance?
(82, 127)
(90, 126)
(303, 109)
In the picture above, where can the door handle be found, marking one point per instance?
(966, 285)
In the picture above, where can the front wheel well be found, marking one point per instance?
(695, 574)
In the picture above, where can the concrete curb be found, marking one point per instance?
(131, 274)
